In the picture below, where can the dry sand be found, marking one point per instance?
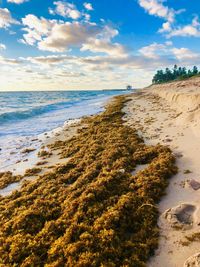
(170, 114)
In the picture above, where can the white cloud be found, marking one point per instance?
(10, 61)
(166, 27)
(108, 33)
(97, 62)
(47, 60)
(6, 19)
(59, 36)
(124, 63)
(102, 46)
(71, 74)
(36, 28)
(2, 46)
(119, 59)
(108, 71)
(155, 50)
(184, 54)
(17, 1)
(187, 30)
(88, 6)
(109, 62)
(42, 26)
(64, 36)
(66, 9)
(192, 29)
(156, 8)
(102, 43)
(161, 52)
(169, 43)
(86, 16)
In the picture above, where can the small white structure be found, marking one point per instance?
(129, 87)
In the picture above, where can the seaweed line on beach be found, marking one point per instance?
(91, 211)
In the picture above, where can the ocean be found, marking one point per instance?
(26, 115)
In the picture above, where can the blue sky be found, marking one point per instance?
(97, 44)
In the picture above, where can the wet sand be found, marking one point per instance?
(32, 159)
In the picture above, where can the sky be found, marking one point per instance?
(94, 44)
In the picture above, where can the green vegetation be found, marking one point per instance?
(90, 211)
(177, 73)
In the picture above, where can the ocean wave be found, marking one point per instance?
(26, 109)
(32, 112)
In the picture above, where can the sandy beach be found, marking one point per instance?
(169, 114)
(165, 114)
(89, 187)
(100, 133)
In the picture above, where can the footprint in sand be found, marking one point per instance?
(193, 261)
(195, 185)
(181, 216)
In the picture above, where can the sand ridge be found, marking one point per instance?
(184, 96)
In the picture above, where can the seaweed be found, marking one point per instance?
(33, 171)
(7, 178)
(44, 154)
(90, 211)
(28, 150)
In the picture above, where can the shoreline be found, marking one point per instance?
(85, 208)
(31, 159)
(158, 120)
(45, 112)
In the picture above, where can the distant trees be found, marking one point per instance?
(177, 73)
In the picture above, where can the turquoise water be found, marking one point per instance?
(25, 115)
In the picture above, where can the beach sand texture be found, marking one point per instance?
(82, 213)
(169, 114)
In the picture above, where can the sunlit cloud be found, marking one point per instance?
(65, 9)
(2, 46)
(17, 1)
(88, 6)
(6, 19)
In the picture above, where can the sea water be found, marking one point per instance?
(26, 115)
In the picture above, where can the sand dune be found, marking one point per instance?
(184, 96)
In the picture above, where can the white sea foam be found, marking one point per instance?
(26, 119)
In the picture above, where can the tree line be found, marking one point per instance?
(177, 73)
